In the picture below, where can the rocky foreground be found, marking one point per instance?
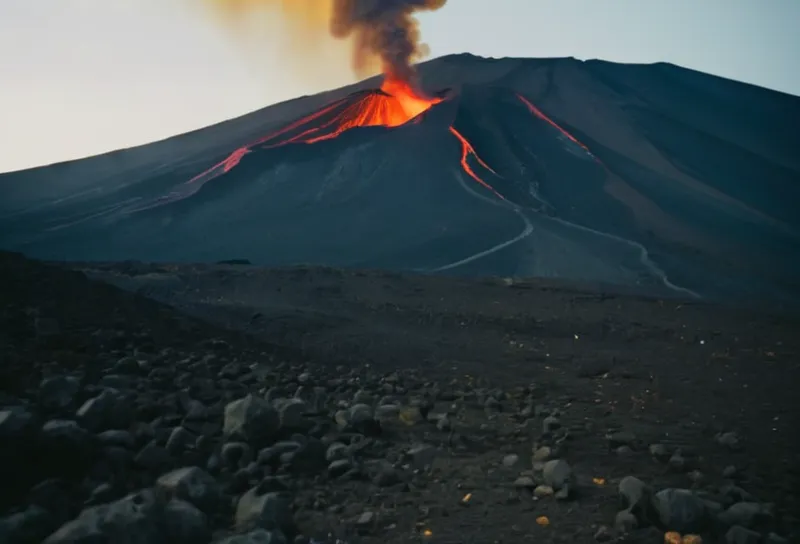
(122, 421)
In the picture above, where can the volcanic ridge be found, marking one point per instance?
(650, 177)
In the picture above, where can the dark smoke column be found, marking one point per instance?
(386, 28)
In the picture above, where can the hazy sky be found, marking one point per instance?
(80, 77)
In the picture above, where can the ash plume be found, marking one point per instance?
(386, 28)
(381, 32)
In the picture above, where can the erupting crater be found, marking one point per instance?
(395, 104)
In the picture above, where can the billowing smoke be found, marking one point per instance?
(379, 30)
(386, 28)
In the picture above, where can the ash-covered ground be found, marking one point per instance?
(195, 403)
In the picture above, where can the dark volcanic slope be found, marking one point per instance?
(649, 176)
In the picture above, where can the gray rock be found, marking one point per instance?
(386, 476)
(108, 410)
(634, 494)
(443, 423)
(31, 525)
(118, 382)
(339, 467)
(713, 507)
(542, 454)
(363, 397)
(273, 454)
(510, 460)
(734, 493)
(264, 510)
(564, 493)
(231, 371)
(235, 455)
(196, 411)
(259, 536)
(193, 485)
(411, 415)
(729, 471)
(696, 477)
(66, 434)
(524, 482)
(16, 423)
(680, 510)
(625, 521)
(677, 461)
(542, 491)
(492, 406)
(746, 514)
(740, 535)
(134, 519)
(59, 392)
(127, 366)
(550, 424)
(335, 451)
(153, 457)
(603, 534)
(275, 393)
(387, 412)
(179, 439)
(659, 452)
(185, 524)
(730, 440)
(292, 413)
(557, 473)
(365, 520)
(360, 418)
(320, 399)
(101, 494)
(251, 419)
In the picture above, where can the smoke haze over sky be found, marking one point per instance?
(81, 77)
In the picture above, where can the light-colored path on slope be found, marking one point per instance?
(480, 255)
(644, 257)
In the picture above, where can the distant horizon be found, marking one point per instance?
(83, 78)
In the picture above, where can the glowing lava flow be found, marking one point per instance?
(396, 104)
(466, 151)
(538, 113)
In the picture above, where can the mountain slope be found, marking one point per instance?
(651, 176)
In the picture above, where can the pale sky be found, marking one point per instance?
(81, 77)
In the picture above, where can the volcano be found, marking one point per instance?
(651, 177)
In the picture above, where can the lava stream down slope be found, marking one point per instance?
(395, 104)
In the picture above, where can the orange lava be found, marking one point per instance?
(396, 104)
(466, 151)
(538, 113)
(409, 102)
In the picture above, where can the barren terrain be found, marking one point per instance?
(408, 409)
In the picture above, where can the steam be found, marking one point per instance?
(385, 31)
